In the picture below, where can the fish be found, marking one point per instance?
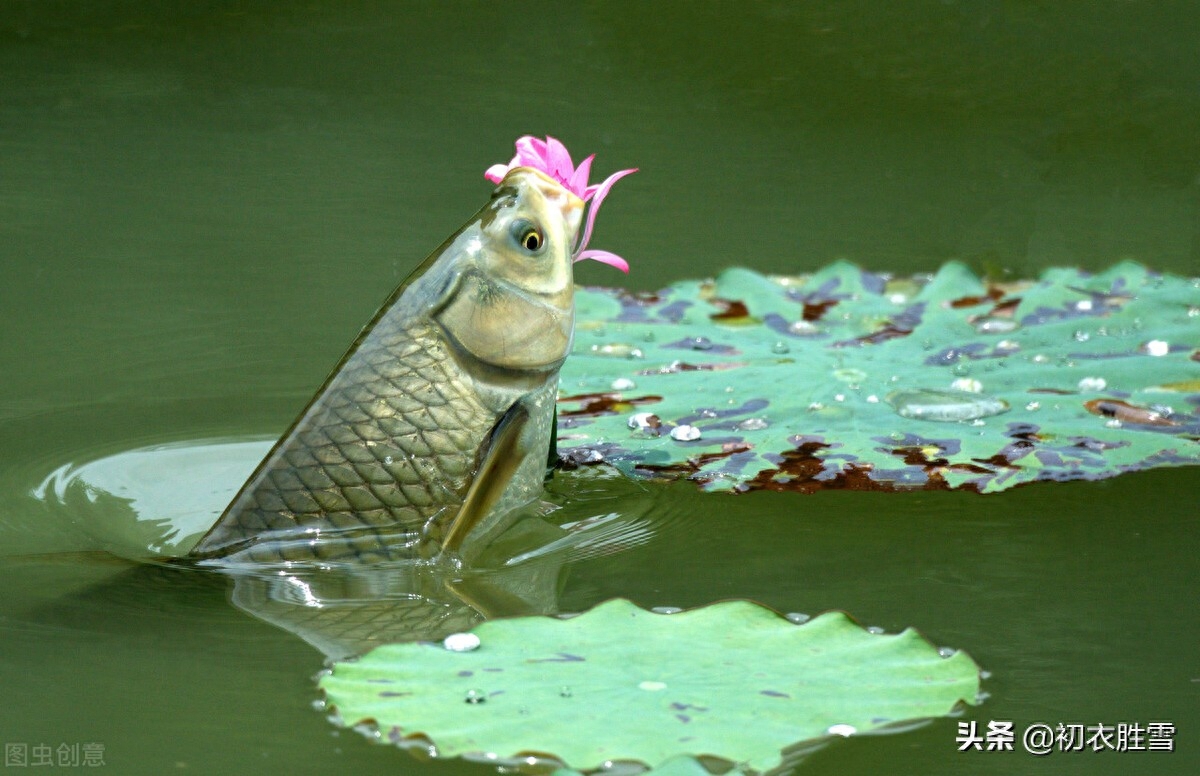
(435, 427)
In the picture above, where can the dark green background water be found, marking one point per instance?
(201, 203)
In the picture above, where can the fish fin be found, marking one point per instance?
(496, 469)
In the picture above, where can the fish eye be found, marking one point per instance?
(528, 236)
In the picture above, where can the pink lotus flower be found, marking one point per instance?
(551, 157)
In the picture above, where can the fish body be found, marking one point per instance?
(436, 424)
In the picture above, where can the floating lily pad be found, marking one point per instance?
(851, 379)
(733, 680)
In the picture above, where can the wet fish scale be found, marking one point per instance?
(398, 459)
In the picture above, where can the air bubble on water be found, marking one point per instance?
(753, 424)
(565, 692)
(962, 367)
(1092, 384)
(637, 353)
(1084, 305)
(979, 422)
(839, 397)
(1008, 345)
(1114, 423)
(1156, 348)
(842, 729)
(666, 609)
(707, 413)
(780, 347)
(799, 618)
(875, 629)
(1081, 336)
(475, 696)
(729, 389)
(700, 343)
(1033, 406)
(623, 384)
(1040, 358)
(461, 642)
(815, 406)
(927, 344)
(685, 433)
(969, 384)
(945, 406)
(872, 399)
(1193, 311)
(947, 651)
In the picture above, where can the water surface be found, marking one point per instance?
(201, 203)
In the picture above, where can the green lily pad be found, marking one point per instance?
(851, 379)
(732, 680)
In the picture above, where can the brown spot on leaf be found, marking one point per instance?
(993, 294)
(603, 404)
(1127, 413)
(732, 311)
(813, 311)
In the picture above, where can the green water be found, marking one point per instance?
(201, 203)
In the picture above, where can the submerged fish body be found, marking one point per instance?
(436, 424)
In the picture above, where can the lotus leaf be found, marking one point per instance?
(852, 379)
(732, 680)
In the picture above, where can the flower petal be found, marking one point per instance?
(597, 195)
(531, 152)
(559, 159)
(604, 257)
(579, 180)
(496, 172)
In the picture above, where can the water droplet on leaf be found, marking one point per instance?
(995, 325)
(1156, 348)
(968, 384)
(461, 642)
(685, 433)
(945, 406)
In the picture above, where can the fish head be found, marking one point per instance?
(513, 303)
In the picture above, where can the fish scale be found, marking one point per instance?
(402, 397)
